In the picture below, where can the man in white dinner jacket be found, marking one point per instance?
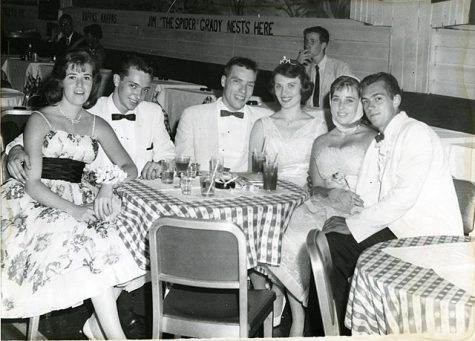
(222, 128)
(139, 125)
(404, 181)
(314, 58)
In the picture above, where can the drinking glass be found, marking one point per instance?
(168, 171)
(207, 186)
(258, 160)
(270, 176)
(212, 165)
(185, 184)
(181, 163)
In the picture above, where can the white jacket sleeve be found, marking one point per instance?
(17, 141)
(184, 135)
(163, 147)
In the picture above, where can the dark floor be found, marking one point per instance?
(67, 325)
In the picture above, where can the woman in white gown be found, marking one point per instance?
(287, 135)
(335, 162)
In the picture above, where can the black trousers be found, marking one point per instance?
(345, 250)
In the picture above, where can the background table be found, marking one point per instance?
(158, 85)
(174, 101)
(21, 73)
(460, 149)
(262, 217)
(10, 98)
(389, 295)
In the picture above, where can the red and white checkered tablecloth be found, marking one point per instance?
(391, 296)
(263, 218)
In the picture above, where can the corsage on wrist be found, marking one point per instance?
(110, 175)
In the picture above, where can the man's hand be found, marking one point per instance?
(151, 170)
(304, 57)
(16, 161)
(336, 224)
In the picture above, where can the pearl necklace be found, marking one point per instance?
(73, 121)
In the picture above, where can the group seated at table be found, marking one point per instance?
(371, 181)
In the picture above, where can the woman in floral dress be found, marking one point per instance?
(56, 248)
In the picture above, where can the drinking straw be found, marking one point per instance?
(275, 158)
(263, 145)
(213, 175)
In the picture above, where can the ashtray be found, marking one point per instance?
(225, 181)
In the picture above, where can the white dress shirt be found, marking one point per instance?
(406, 185)
(145, 139)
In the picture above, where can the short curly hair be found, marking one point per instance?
(52, 87)
(294, 69)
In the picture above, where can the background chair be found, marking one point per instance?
(466, 196)
(204, 264)
(320, 259)
(106, 76)
(13, 123)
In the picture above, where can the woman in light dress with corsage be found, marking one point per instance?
(57, 249)
(335, 162)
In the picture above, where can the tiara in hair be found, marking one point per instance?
(286, 60)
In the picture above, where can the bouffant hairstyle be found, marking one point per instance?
(52, 87)
(293, 69)
(345, 82)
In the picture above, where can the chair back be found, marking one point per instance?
(106, 75)
(466, 197)
(198, 253)
(321, 261)
(13, 123)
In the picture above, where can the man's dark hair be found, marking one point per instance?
(390, 82)
(95, 30)
(322, 33)
(67, 17)
(240, 61)
(135, 61)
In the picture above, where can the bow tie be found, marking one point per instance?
(379, 137)
(130, 117)
(238, 114)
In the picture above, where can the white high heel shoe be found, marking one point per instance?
(279, 306)
(87, 331)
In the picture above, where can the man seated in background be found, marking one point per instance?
(405, 183)
(222, 128)
(68, 39)
(323, 70)
(92, 36)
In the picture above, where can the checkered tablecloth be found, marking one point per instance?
(263, 218)
(391, 296)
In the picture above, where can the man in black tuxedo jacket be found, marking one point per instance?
(68, 38)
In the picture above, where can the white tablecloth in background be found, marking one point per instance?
(460, 149)
(10, 98)
(19, 71)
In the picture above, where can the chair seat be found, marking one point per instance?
(216, 305)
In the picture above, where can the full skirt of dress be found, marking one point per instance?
(50, 260)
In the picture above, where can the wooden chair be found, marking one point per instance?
(204, 265)
(321, 261)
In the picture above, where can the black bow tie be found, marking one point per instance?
(237, 114)
(379, 137)
(116, 117)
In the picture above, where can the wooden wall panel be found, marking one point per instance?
(365, 48)
(453, 63)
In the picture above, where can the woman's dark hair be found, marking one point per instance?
(293, 69)
(345, 82)
(52, 87)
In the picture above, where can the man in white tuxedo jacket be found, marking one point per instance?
(222, 128)
(405, 183)
(139, 125)
(314, 58)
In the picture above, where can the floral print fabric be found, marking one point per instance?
(50, 260)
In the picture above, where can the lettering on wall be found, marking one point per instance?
(192, 23)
